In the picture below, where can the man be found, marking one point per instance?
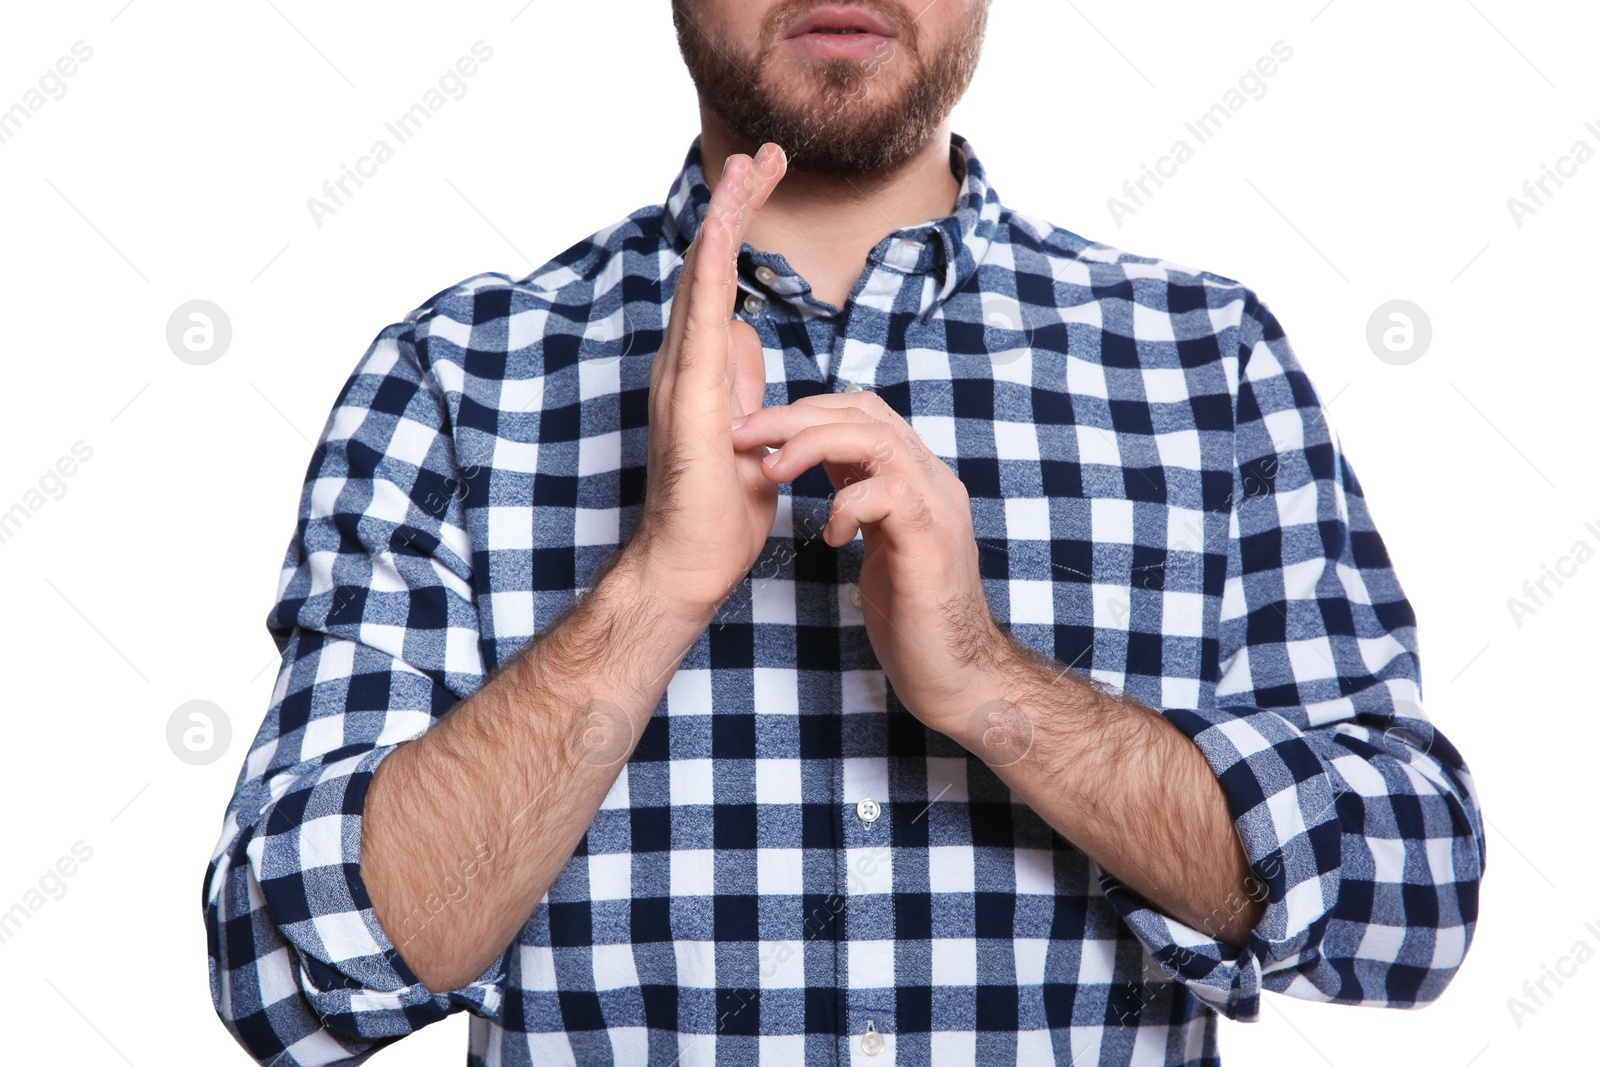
(828, 618)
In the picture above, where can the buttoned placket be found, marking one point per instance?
(854, 361)
(866, 969)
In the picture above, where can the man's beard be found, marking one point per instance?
(837, 124)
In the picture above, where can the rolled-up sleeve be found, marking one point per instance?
(376, 623)
(1359, 817)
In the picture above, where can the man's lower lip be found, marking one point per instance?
(839, 45)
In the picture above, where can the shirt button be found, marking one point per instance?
(871, 1040)
(851, 387)
(867, 810)
(855, 595)
(766, 275)
(753, 304)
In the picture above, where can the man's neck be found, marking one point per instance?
(825, 227)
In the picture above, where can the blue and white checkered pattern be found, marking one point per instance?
(1161, 505)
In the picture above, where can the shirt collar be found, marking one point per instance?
(948, 248)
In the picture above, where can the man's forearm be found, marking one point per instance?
(465, 827)
(1121, 783)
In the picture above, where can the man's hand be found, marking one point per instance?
(926, 613)
(1112, 776)
(516, 771)
(708, 511)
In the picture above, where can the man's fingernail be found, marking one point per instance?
(772, 458)
(740, 421)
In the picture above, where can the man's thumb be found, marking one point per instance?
(749, 369)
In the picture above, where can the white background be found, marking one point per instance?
(178, 164)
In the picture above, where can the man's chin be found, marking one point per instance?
(846, 108)
(839, 84)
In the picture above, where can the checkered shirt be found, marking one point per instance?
(1160, 504)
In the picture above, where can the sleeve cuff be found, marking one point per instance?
(309, 873)
(1283, 804)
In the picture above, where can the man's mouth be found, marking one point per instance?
(840, 19)
(839, 31)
